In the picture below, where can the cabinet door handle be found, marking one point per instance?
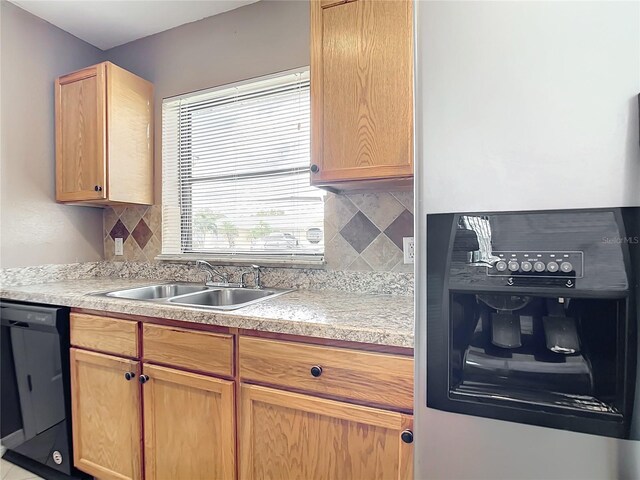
(407, 436)
(97, 188)
(143, 379)
(316, 370)
(129, 375)
(314, 168)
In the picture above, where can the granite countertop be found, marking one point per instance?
(375, 319)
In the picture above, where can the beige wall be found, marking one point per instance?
(258, 39)
(33, 228)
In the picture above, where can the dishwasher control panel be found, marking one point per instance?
(537, 264)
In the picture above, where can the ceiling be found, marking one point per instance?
(109, 23)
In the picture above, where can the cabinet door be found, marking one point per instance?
(80, 135)
(362, 90)
(106, 413)
(188, 426)
(289, 436)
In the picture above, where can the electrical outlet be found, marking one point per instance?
(407, 249)
(119, 247)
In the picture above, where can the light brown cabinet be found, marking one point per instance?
(188, 421)
(106, 415)
(290, 435)
(361, 93)
(104, 137)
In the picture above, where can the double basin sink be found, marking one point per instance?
(198, 295)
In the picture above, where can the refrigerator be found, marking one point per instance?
(520, 106)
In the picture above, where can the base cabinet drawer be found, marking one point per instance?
(286, 435)
(366, 377)
(104, 334)
(194, 350)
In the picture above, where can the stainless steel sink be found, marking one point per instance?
(226, 298)
(199, 296)
(153, 292)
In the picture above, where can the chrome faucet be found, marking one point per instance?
(256, 276)
(211, 272)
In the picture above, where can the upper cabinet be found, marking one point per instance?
(104, 137)
(361, 94)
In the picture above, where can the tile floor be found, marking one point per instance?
(9, 471)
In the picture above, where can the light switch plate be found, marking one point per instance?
(407, 249)
(119, 247)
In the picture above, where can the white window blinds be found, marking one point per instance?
(236, 171)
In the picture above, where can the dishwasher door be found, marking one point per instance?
(35, 382)
(38, 368)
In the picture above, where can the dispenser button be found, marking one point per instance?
(552, 267)
(539, 267)
(514, 266)
(526, 266)
(501, 266)
(566, 267)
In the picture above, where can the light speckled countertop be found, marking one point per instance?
(375, 319)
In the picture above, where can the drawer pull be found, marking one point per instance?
(316, 370)
(129, 375)
(407, 436)
(143, 379)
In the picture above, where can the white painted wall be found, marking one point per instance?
(33, 228)
(521, 105)
(530, 105)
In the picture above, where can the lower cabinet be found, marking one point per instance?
(106, 415)
(286, 435)
(150, 417)
(189, 430)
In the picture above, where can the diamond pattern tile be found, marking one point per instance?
(110, 217)
(153, 248)
(132, 215)
(400, 227)
(360, 232)
(405, 198)
(119, 231)
(360, 265)
(153, 217)
(382, 254)
(380, 208)
(339, 254)
(133, 252)
(142, 233)
(338, 210)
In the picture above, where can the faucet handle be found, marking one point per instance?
(243, 282)
(256, 274)
(255, 269)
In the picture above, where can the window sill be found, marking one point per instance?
(262, 260)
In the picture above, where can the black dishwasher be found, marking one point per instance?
(35, 419)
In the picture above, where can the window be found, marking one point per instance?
(236, 172)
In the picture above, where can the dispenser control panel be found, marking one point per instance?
(537, 264)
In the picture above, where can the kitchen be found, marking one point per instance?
(317, 382)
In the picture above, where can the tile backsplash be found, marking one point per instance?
(139, 226)
(363, 232)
